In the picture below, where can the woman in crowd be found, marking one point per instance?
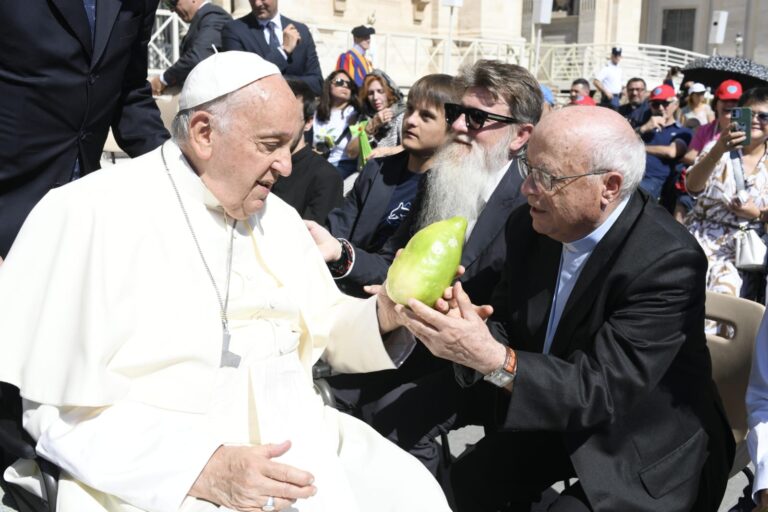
(720, 208)
(337, 110)
(382, 104)
(697, 112)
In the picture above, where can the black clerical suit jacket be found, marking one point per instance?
(60, 91)
(204, 33)
(244, 34)
(628, 381)
(482, 256)
(313, 188)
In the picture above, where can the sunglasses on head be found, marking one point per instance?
(474, 117)
(340, 82)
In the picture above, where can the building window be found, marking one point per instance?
(677, 28)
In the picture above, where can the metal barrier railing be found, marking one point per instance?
(406, 57)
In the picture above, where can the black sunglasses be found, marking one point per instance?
(340, 82)
(663, 103)
(474, 117)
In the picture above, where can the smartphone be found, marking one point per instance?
(742, 116)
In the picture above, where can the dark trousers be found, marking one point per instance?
(413, 405)
(509, 471)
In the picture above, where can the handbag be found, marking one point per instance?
(750, 247)
(750, 250)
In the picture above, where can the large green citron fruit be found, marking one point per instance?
(428, 263)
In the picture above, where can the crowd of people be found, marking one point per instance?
(160, 351)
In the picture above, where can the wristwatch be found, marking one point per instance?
(505, 374)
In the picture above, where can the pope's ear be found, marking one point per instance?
(200, 134)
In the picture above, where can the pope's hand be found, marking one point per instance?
(385, 308)
(459, 335)
(329, 246)
(244, 477)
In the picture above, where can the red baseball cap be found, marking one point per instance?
(662, 93)
(729, 90)
(584, 101)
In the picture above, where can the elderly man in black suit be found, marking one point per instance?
(596, 345)
(202, 39)
(71, 69)
(280, 40)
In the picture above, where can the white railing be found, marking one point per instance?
(560, 64)
(406, 57)
(165, 41)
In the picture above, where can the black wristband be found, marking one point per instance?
(344, 264)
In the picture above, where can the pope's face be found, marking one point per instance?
(264, 10)
(254, 149)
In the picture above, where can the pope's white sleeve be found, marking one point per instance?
(757, 408)
(146, 456)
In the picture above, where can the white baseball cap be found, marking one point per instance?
(697, 87)
(223, 73)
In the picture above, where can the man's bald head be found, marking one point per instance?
(597, 138)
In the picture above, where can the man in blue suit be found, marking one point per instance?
(71, 69)
(280, 40)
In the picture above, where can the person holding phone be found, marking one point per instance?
(722, 204)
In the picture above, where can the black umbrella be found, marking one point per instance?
(712, 71)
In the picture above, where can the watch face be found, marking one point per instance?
(499, 378)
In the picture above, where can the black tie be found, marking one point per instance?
(90, 12)
(273, 42)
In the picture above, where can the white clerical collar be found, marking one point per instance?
(189, 182)
(588, 243)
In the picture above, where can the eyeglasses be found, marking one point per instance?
(761, 116)
(662, 103)
(544, 179)
(474, 117)
(340, 82)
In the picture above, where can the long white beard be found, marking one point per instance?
(458, 178)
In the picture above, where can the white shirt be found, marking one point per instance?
(757, 409)
(277, 20)
(610, 76)
(337, 122)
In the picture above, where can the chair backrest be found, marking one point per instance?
(169, 106)
(732, 360)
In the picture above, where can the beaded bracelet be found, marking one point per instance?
(340, 268)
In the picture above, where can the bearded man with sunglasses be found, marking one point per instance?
(666, 142)
(474, 175)
(595, 347)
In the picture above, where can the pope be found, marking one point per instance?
(172, 309)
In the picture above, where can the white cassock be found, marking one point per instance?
(110, 326)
